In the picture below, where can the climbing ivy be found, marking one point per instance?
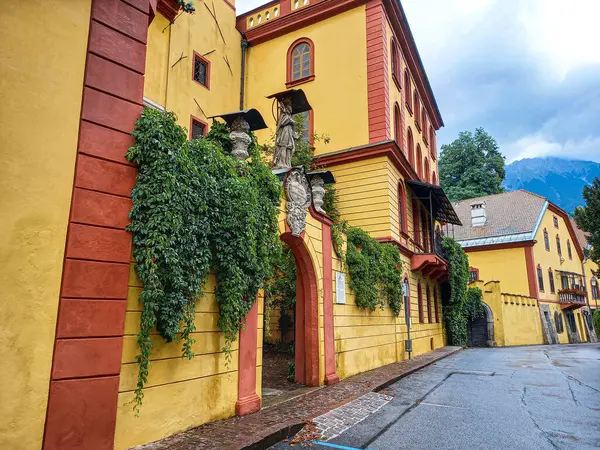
(340, 226)
(596, 322)
(375, 271)
(197, 210)
(463, 303)
(186, 6)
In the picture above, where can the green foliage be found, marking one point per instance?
(596, 322)
(280, 288)
(471, 166)
(197, 210)
(463, 303)
(186, 6)
(375, 271)
(588, 219)
(291, 371)
(339, 227)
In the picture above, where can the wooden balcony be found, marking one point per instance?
(571, 298)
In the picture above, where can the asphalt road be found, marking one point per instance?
(540, 397)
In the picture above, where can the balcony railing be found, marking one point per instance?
(571, 296)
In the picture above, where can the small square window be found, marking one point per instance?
(201, 70)
(198, 129)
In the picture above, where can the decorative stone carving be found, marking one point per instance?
(284, 136)
(298, 195)
(318, 192)
(240, 138)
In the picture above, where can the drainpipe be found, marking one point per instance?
(243, 75)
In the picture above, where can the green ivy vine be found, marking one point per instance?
(375, 271)
(463, 303)
(197, 210)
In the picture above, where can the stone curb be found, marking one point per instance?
(290, 429)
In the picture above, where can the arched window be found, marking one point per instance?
(403, 225)
(396, 73)
(433, 178)
(300, 62)
(546, 240)
(435, 306)
(398, 127)
(424, 124)
(540, 275)
(428, 304)
(417, 109)
(419, 167)
(410, 147)
(426, 174)
(558, 322)
(569, 249)
(407, 309)
(551, 278)
(420, 304)
(558, 245)
(432, 143)
(595, 291)
(416, 224)
(407, 90)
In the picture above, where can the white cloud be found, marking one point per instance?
(242, 6)
(537, 145)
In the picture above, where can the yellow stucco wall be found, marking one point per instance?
(40, 87)
(365, 340)
(550, 258)
(516, 317)
(168, 79)
(506, 265)
(338, 94)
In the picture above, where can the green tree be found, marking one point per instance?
(472, 166)
(588, 219)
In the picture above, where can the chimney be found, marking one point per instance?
(478, 215)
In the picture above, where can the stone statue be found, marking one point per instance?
(318, 192)
(240, 138)
(284, 136)
(298, 195)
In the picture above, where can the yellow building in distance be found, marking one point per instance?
(525, 251)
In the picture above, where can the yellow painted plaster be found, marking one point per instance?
(42, 60)
(506, 265)
(338, 94)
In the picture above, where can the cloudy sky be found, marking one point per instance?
(528, 71)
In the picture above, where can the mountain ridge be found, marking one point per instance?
(560, 180)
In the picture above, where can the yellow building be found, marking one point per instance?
(533, 249)
(69, 279)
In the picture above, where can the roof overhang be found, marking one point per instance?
(435, 198)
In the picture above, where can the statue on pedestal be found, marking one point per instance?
(318, 192)
(240, 138)
(284, 135)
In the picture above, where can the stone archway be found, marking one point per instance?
(307, 313)
(480, 331)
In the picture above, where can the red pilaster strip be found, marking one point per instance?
(84, 383)
(330, 375)
(377, 73)
(248, 402)
(531, 272)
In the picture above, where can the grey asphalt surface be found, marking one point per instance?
(539, 397)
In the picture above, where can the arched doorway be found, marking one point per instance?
(307, 314)
(480, 331)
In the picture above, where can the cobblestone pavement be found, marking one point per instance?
(270, 425)
(338, 420)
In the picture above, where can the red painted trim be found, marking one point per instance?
(84, 381)
(401, 246)
(207, 62)
(231, 5)
(289, 21)
(402, 207)
(555, 209)
(531, 272)
(483, 248)
(473, 269)
(377, 73)
(384, 148)
(307, 313)
(289, 82)
(196, 119)
(248, 402)
(330, 375)
(168, 8)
